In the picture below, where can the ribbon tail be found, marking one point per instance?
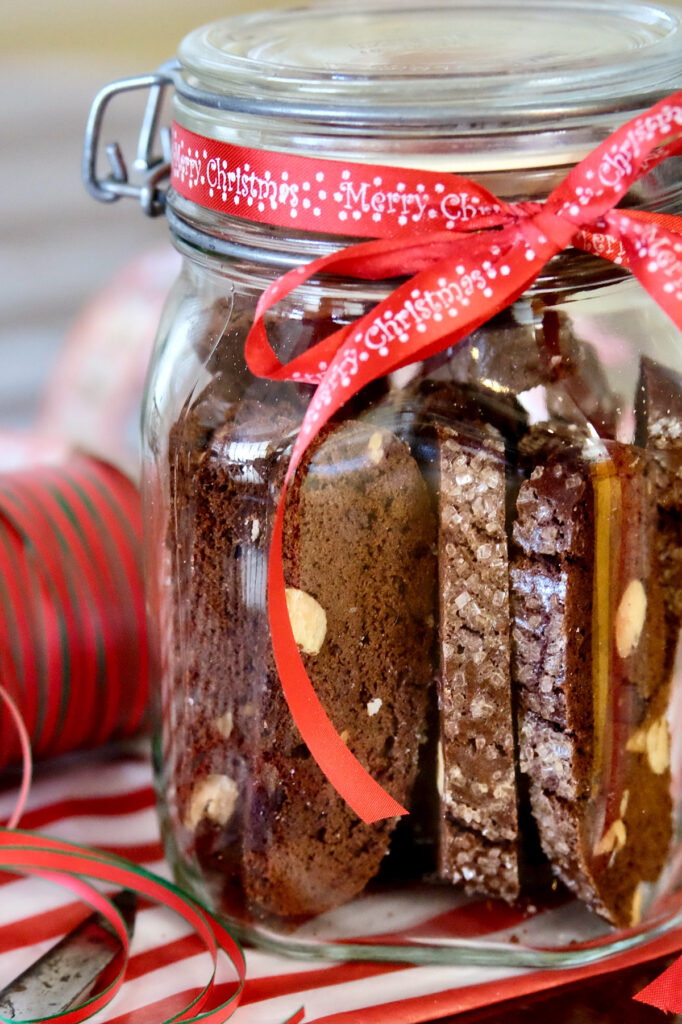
(308, 368)
(655, 257)
(353, 783)
(665, 991)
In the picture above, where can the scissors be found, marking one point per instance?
(66, 974)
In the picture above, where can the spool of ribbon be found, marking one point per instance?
(73, 638)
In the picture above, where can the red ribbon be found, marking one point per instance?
(665, 991)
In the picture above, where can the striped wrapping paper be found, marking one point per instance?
(106, 799)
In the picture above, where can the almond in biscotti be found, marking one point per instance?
(653, 740)
(308, 620)
(630, 618)
(214, 798)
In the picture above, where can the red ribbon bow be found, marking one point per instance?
(461, 279)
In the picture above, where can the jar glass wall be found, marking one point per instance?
(482, 558)
(482, 550)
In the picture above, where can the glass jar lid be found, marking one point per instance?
(458, 62)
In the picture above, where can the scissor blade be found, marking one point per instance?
(65, 975)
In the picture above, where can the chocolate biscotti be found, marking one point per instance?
(479, 832)
(658, 428)
(588, 629)
(459, 435)
(472, 637)
(359, 569)
(225, 474)
(539, 353)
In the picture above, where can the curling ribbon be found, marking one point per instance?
(466, 269)
(68, 865)
(73, 639)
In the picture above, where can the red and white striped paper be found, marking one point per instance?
(106, 799)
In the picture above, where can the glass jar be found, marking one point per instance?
(481, 549)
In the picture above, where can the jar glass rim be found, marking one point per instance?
(477, 65)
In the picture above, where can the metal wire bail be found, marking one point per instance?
(149, 168)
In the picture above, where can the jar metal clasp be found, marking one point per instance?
(151, 168)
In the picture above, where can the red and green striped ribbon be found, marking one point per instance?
(69, 865)
(72, 619)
